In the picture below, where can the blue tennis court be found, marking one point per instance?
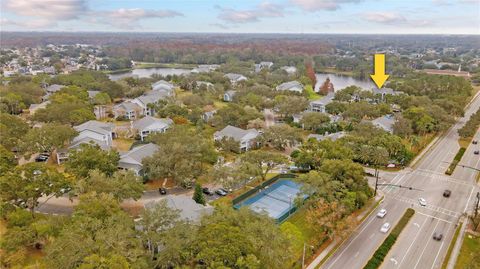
(277, 200)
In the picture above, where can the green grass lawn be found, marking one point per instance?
(450, 248)
(469, 256)
(311, 95)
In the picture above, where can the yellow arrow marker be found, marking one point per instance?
(379, 76)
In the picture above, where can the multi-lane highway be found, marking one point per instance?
(416, 248)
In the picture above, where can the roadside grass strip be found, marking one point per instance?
(452, 245)
(456, 160)
(384, 248)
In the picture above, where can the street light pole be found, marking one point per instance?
(376, 181)
(303, 256)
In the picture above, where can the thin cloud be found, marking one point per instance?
(50, 10)
(317, 5)
(263, 10)
(129, 18)
(31, 24)
(384, 17)
(392, 18)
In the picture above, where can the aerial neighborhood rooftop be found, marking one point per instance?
(169, 150)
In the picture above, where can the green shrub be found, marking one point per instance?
(388, 243)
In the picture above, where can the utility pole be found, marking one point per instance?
(475, 213)
(376, 181)
(303, 256)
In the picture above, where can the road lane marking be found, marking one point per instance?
(437, 218)
(441, 246)
(468, 201)
(437, 176)
(423, 251)
(347, 246)
(441, 210)
(394, 261)
(411, 244)
(393, 180)
(356, 254)
(390, 188)
(371, 236)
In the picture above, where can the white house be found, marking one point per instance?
(235, 78)
(90, 132)
(188, 209)
(263, 65)
(163, 85)
(385, 122)
(333, 136)
(245, 138)
(320, 105)
(92, 94)
(51, 90)
(228, 96)
(383, 92)
(206, 116)
(132, 159)
(149, 124)
(34, 107)
(128, 110)
(204, 84)
(289, 69)
(96, 132)
(151, 98)
(293, 86)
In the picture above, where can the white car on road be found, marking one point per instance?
(382, 213)
(385, 227)
(422, 202)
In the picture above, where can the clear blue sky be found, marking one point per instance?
(245, 16)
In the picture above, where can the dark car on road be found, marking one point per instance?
(162, 191)
(207, 191)
(437, 236)
(476, 152)
(447, 193)
(474, 142)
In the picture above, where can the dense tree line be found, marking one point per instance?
(92, 81)
(70, 105)
(471, 126)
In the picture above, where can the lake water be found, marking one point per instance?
(341, 82)
(147, 72)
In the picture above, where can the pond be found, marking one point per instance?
(340, 82)
(147, 72)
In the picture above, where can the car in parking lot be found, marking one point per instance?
(447, 193)
(385, 227)
(207, 191)
(41, 158)
(382, 213)
(437, 236)
(162, 191)
(422, 202)
(221, 192)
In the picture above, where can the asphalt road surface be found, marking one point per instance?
(416, 248)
